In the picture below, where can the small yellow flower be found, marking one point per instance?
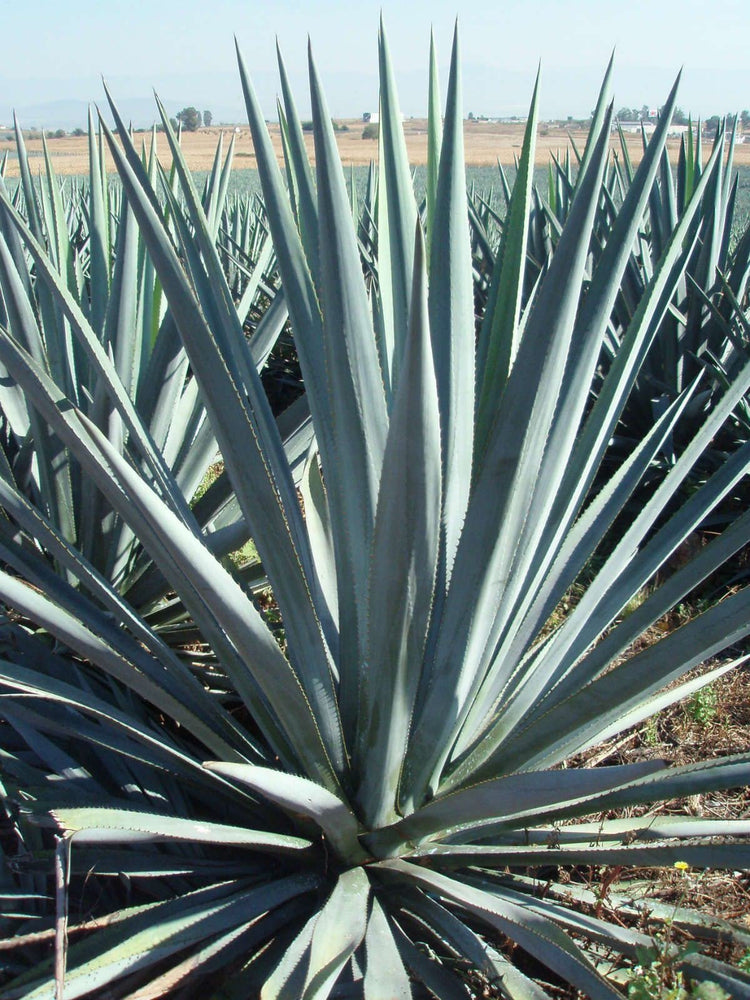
(681, 866)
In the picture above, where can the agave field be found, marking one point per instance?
(340, 523)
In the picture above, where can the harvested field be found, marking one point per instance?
(486, 143)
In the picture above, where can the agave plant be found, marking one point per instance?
(381, 803)
(703, 331)
(78, 290)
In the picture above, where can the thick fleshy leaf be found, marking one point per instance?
(434, 142)
(499, 503)
(338, 932)
(504, 797)
(246, 432)
(357, 400)
(105, 826)
(102, 363)
(397, 214)
(451, 307)
(165, 929)
(404, 563)
(301, 796)
(385, 975)
(537, 935)
(498, 339)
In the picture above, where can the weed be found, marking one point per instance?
(703, 705)
(657, 976)
(651, 731)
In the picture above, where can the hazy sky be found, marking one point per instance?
(184, 48)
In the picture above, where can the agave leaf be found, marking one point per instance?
(219, 192)
(599, 426)
(318, 521)
(101, 362)
(600, 122)
(644, 855)
(354, 370)
(618, 581)
(121, 329)
(190, 446)
(451, 306)
(216, 954)
(225, 603)
(397, 214)
(629, 684)
(499, 503)
(536, 935)
(247, 432)
(167, 928)
(404, 563)
(102, 825)
(154, 863)
(585, 348)
(729, 216)
(497, 348)
(669, 594)
(300, 796)
(687, 779)
(358, 410)
(514, 795)
(121, 334)
(703, 968)
(295, 271)
(338, 932)
(51, 462)
(13, 241)
(91, 447)
(287, 979)
(109, 649)
(56, 223)
(270, 326)
(651, 826)
(17, 288)
(434, 142)
(638, 792)
(579, 545)
(302, 176)
(600, 299)
(625, 572)
(60, 694)
(385, 975)
(98, 219)
(499, 972)
(210, 283)
(631, 898)
(441, 981)
(30, 197)
(50, 753)
(163, 380)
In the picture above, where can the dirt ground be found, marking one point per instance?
(485, 143)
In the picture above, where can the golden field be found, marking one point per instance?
(486, 144)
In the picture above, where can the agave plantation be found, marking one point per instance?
(376, 790)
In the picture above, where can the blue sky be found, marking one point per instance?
(56, 50)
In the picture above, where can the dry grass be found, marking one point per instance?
(711, 724)
(486, 143)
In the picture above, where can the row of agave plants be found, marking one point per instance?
(375, 800)
(80, 292)
(705, 330)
